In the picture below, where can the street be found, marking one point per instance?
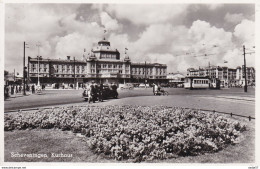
(227, 100)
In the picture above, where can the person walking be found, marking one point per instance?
(33, 89)
(90, 93)
(12, 90)
(6, 92)
(156, 89)
(100, 93)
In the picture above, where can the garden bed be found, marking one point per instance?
(137, 133)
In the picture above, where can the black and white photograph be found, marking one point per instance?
(129, 83)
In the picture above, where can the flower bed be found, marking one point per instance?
(137, 133)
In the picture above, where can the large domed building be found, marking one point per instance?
(102, 65)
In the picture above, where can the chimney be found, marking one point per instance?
(68, 57)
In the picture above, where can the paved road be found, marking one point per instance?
(229, 100)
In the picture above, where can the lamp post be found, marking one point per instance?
(245, 87)
(24, 46)
(38, 45)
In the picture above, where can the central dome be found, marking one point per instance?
(104, 42)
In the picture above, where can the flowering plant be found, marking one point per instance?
(137, 133)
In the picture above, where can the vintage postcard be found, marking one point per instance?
(128, 82)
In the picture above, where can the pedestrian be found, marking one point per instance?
(9, 90)
(100, 93)
(90, 93)
(114, 90)
(95, 92)
(12, 89)
(33, 89)
(15, 90)
(5, 92)
(156, 89)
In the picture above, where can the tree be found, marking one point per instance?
(6, 73)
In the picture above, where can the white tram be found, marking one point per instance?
(201, 83)
(197, 83)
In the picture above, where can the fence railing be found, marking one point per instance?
(221, 112)
(213, 111)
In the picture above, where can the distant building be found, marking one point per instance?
(151, 72)
(175, 79)
(227, 76)
(12, 78)
(102, 65)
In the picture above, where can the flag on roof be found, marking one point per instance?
(126, 49)
(225, 61)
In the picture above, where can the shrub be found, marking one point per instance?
(137, 133)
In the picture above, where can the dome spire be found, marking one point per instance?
(105, 34)
(126, 56)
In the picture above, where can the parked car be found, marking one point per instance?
(142, 85)
(107, 92)
(129, 86)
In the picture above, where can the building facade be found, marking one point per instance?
(228, 76)
(102, 65)
(175, 79)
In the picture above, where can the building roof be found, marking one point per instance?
(148, 64)
(104, 48)
(104, 42)
(57, 60)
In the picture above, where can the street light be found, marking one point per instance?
(24, 46)
(38, 45)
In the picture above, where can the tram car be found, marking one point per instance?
(201, 83)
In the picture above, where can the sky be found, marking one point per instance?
(179, 35)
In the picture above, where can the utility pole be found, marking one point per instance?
(245, 87)
(24, 67)
(145, 74)
(74, 74)
(28, 67)
(38, 45)
(14, 75)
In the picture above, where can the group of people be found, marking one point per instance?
(156, 88)
(97, 92)
(10, 90)
(94, 92)
(14, 89)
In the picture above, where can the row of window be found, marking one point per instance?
(108, 56)
(109, 66)
(40, 70)
(201, 81)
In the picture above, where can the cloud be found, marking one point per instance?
(234, 18)
(27, 22)
(214, 6)
(108, 22)
(147, 14)
(158, 30)
(165, 43)
(245, 32)
(55, 27)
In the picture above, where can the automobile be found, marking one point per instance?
(107, 92)
(142, 85)
(129, 86)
